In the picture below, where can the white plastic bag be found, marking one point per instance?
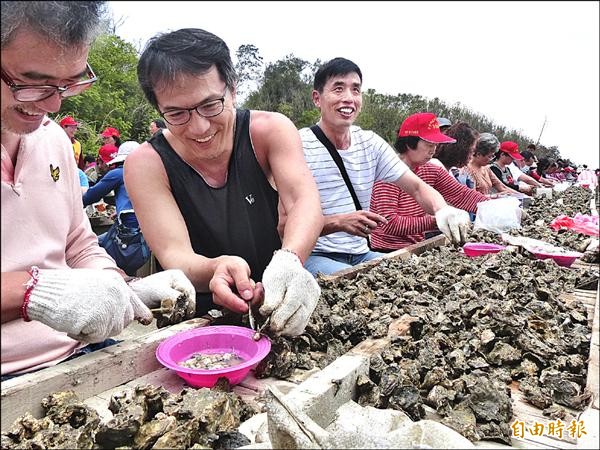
(499, 215)
(561, 187)
(544, 192)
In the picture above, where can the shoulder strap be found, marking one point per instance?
(338, 161)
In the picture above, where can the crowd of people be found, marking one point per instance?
(240, 209)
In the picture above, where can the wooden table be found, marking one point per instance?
(94, 377)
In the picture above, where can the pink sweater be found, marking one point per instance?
(43, 224)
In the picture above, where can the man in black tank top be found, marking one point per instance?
(208, 189)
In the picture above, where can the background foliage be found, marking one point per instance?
(285, 86)
(115, 100)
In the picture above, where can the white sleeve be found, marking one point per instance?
(390, 167)
(515, 171)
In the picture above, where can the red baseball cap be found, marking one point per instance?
(68, 121)
(426, 127)
(511, 148)
(110, 132)
(108, 152)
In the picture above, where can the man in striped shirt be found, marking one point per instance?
(367, 158)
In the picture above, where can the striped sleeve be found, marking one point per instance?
(406, 219)
(389, 166)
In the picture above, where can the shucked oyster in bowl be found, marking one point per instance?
(202, 356)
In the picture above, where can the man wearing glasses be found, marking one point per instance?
(60, 290)
(207, 189)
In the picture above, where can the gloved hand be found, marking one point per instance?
(168, 289)
(88, 304)
(454, 223)
(291, 294)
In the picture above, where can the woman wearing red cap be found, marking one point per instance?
(111, 141)
(509, 151)
(111, 136)
(407, 221)
(70, 126)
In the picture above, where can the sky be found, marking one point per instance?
(521, 64)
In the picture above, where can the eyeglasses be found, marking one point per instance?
(182, 116)
(36, 93)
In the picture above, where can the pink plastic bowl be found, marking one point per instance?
(473, 249)
(562, 259)
(213, 339)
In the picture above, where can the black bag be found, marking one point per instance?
(126, 246)
(337, 159)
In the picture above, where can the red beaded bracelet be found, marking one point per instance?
(33, 281)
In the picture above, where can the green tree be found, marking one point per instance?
(285, 88)
(115, 100)
(547, 152)
(382, 114)
(249, 68)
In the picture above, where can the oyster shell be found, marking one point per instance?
(68, 424)
(143, 418)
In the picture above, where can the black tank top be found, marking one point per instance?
(239, 218)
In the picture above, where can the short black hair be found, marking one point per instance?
(527, 154)
(189, 51)
(404, 143)
(499, 154)
(332, 68)
(542, 165)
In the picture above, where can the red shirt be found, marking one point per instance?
(407, 221)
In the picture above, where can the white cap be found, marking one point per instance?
(443, 122)
(124, 149)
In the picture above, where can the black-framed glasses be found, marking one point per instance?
(182, 116)
(37, 92)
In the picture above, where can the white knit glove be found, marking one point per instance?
(170, 286)
(88, 304)
(454, 223)
(291, 294)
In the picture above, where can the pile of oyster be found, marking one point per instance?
(211, 361)
(477, 325)
(148, 417)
